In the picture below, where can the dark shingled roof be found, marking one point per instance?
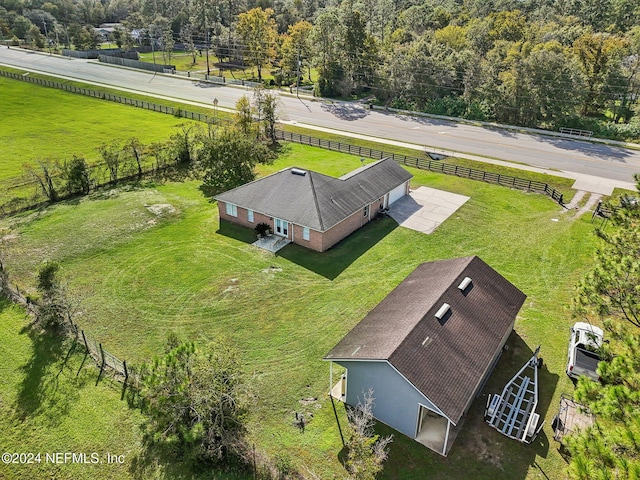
(444, 359)
(315, 200)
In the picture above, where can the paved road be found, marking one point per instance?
(603, 161)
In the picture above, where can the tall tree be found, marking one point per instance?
(554, 85)
(228, 159)
(598, 55)
(111, 156)
(326, 36)
(186, 37)
(257, 29)
(610, 293)
(266, 107)
(244, 115)
(296, 48)
(135, 149)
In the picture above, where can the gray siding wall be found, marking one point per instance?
(395, 400)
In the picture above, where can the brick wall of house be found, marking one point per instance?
(315, 238)
(349, 225)
(317, 241)
(242, 218)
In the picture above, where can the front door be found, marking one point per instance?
(282, 227)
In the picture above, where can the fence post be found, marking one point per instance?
(126, 372)
(85, 341)
(101, 366)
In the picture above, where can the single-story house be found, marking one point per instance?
(427, 349)
(312, 209)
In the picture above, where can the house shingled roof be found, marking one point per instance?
(316, 200)
(445, 360)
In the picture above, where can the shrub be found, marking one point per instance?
(262, 228)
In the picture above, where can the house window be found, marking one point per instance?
(250, 216)
(305, 233)
(232, 210)
(366, 211)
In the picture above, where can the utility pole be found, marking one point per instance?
(207, 49)
(153, 51)
(46, 35)
(298, 73)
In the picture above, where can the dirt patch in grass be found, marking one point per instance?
(272, 269)
(8, 237)
(482, 448)
(162, 209)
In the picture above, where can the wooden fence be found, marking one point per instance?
(422, 163)
(178, 112)
(106, 361)
(425, 164)
(99, 179)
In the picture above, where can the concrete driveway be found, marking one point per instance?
(424, 209)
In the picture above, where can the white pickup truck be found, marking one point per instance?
(584, 343)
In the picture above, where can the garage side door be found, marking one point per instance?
(397, 193)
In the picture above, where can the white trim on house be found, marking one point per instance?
(281, 227)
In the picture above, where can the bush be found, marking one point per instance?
(262, 228)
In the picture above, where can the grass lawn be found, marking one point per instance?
(139, 275)
(184, 62)
(49, 403)
(46, 123)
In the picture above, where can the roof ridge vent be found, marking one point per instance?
(464, 284)
(298, 171)
(443, 311)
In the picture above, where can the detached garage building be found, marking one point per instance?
(427, 349)
(312, 209)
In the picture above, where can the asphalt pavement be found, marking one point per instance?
(599, 166)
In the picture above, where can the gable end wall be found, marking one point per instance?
(395, 400)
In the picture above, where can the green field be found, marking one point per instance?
(143, 261)
(140, 275)
(184, 62)
(48, 124)
(49, 403)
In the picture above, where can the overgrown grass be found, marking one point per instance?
(141, 275)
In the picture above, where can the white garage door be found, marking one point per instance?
(397, 193)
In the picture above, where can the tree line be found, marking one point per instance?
(609, 295)
(530, 62)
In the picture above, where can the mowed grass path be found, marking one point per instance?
(45, 123)
(140, 275)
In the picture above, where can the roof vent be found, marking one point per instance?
(443, 311)
(297, 171)
(464, 284)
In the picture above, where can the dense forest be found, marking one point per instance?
(542, 63)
